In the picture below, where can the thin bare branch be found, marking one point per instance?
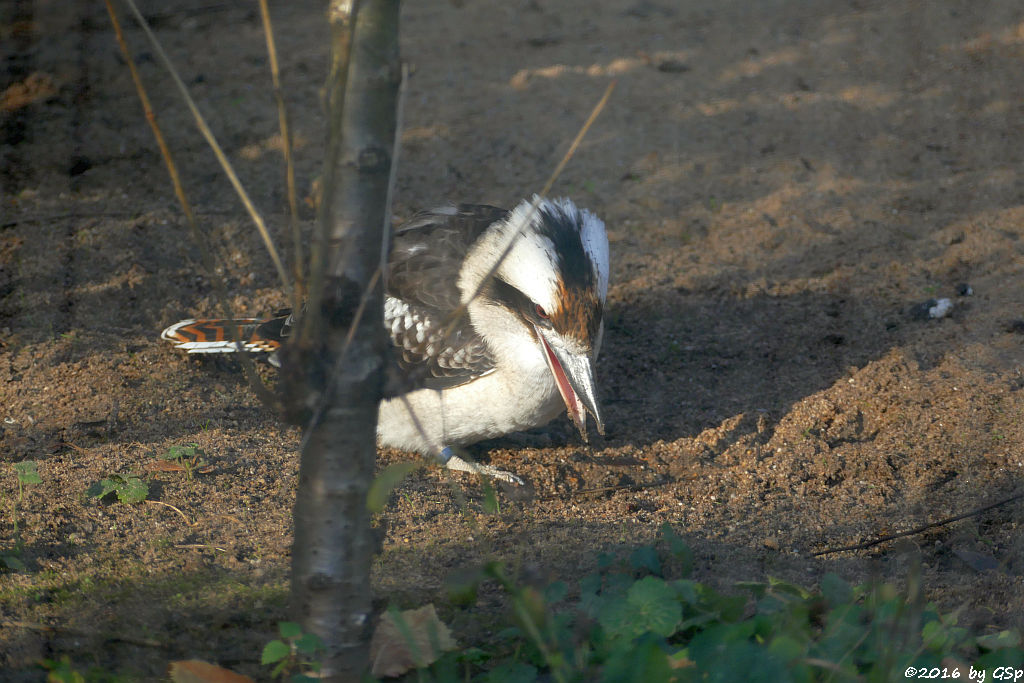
(594, 113)
(396, 149)
(459, 312)
(168, 505)
(289, 165)
(924, 527)
(211, 140)
(340, 14)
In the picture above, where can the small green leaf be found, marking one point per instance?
(181, 452)
(939, 637)
(835, 590)
(474, 655)
(13, 563)
(289, 629)
(490, 502)
(787, 647)
(462, 586)
(590, 601)
(1008, 657)
(687, 591)
(509, 633)
(555, 592)
(100, 488)
(129, 488)
(617, 618)
(787, 588)
(386, 481)
(62, 671)
(729, 607)
(512, 672)
(132, 490)
(758, 588)
(997, 641)
(637, 663)
(309, 644)
(657, 605)
(26, 471)
(650, 589)
(645, 557)
(274, 651)
(678, 547)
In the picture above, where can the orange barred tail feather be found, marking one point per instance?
(255, 335)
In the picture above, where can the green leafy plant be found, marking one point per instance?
(63, 671)
(293, 651)
(129, 488)
(644, 619)
(27, 474)
(190, 457)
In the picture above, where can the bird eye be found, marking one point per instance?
(541, 313)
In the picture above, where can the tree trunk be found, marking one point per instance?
(335, 372)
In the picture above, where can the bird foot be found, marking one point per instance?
(455, 462)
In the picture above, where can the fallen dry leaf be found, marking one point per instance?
(37, 86)
(415, 638)
(163, 466)
(198, 671)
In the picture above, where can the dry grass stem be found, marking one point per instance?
(286, 141)
(211, 140)
(459, 312)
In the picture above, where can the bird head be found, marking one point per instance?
(542, 279)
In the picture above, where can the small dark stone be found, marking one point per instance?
(543, 41)
(646, 10)
(964, 289)
(1015, 326)
(79, 165)
(673, 66)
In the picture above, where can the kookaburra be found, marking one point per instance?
(534, 281)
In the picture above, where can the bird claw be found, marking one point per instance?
(458, 464)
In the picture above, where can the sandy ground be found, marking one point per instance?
(784, 183)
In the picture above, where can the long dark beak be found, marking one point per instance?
(574, 377)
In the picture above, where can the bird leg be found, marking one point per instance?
(452, 461)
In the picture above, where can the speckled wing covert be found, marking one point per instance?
(426, 255)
